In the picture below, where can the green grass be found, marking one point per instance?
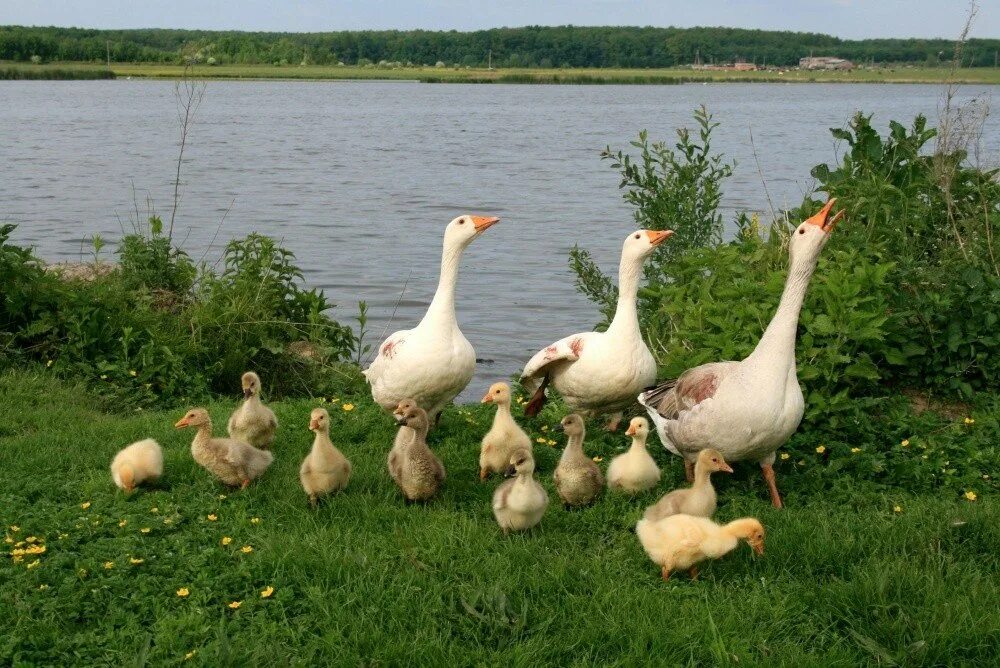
(984, 75)
(369, 580)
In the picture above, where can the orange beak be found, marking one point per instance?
(313, 425)
(726, 468)
(758, 548)
(488, 399)
(822, 218)
(183, 422)
(658, 237)
(630, 431)
(483, 223)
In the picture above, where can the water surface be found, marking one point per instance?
(360, 178)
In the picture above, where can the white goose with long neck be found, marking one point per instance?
(746, 410)
(433, 362)
(601, 372)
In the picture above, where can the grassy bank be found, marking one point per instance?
(527, 75)
(70, 71)
(845, 580)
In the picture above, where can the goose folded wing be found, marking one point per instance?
(389, 348)
(672, 397)
(568, 349)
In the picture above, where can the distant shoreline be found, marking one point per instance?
(580, 76)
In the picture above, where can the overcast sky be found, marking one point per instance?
(844, 18)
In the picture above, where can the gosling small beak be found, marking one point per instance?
(822, 218)
(313, 425)
(488, 399)
(483, 223)
(400, 422)
(658, 237)
(758, 548)
(247, 393)
(726, 468)
(630, 431)
(509, 471)
(559, 427)
(181, 423)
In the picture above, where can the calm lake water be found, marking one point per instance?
(359, 179)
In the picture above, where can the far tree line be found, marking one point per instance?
(533, 46)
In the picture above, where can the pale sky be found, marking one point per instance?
(844, 18)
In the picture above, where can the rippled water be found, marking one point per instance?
(360, 178)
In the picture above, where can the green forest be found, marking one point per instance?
(533, 46)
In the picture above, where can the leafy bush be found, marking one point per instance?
(150, 262)
(937, 219)
(158, 330)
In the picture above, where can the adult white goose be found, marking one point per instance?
(746, 410)
(432, 362)
(600, 372)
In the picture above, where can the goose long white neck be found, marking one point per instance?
(638, 444)
(626, 320)
(442, 308)
(778, 340)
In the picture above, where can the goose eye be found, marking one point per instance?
(636, 236)
(802, 230)
(461, 221)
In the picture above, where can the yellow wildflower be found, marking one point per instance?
(123, 523)
(969, 421)
(8, 539)
(235, 604)
(545, 427)
(550, 443)
(821, 449)
(897, 509)
(971, 496)
(82, 572)
(85, 505)
(855, 450)
(15, 528)
(539, 440)
(213, 517)
(222, 497)
(190, 655)
(598, 459)
(167, 520)
(145, 530)
(108, 565)
(226, 540)
(254, 520)
(31, 539)
(43, 587)
(348, 407)
(785, 455)
(154, 510)
(134, 561)
(48, 363)
(246, 549)
(905, 443)
(34, 563)
(63, 535)
(267, 592)
(183, 592)
(104, 376)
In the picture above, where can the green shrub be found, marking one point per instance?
(158, 331)
(151, 263)
(937, 219)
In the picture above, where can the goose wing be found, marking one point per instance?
(567, 349)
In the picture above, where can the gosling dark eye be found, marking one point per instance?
(802, 230)
(637, 236)
(461, 222)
